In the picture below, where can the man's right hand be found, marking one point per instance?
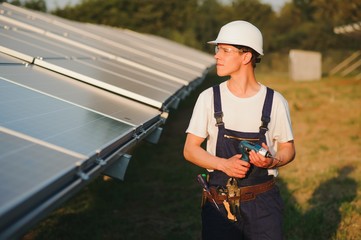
(234, 166)
(193, 152)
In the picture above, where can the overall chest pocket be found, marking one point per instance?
(232, 139)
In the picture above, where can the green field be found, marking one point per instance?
(160, 198)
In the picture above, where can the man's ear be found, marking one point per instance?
(246, 58)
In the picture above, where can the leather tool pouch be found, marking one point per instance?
(233, 199)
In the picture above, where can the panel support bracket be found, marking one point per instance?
(118, 168)
(154, 136)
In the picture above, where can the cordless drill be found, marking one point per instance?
(245, 147)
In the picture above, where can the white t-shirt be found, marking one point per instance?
(243, 115)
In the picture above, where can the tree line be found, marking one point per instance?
(301, 24)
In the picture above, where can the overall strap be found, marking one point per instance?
(218, 114)
(266, 112)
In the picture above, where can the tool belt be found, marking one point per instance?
(246, 193)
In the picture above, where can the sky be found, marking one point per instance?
(52, 4)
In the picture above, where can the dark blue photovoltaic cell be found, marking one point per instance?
(28, 169)
(116, 79)
(56, 121)
(80, 94)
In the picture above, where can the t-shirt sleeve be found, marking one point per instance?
(282, 131)
(198, 124)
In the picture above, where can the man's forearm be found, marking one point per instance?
(200, 157)
(286, 153)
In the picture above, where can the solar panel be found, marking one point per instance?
(55, 121)
(127, 83)
(26, 170)
(75, 98)
(124, 43)
(45, 140)
(74, 33)
(105, 73)
(35, 45)
(86, 96)
(147, 47)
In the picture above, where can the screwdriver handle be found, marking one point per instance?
(202, 182)
(204, 185)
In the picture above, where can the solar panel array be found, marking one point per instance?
(74, 99)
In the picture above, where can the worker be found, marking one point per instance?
(240, 108)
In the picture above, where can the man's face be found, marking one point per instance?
(228, 59)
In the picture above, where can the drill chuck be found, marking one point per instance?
(264, 152)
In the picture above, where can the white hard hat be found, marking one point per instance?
(241, 33)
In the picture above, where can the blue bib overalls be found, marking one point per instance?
(260, 218)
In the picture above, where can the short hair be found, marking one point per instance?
(255, 55)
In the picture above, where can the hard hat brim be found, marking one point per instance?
(215, 42)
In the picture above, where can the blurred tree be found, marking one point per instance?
(330, 14)
(38, 5)
(15, 2)
(306, 8)
(337, 12)
(308, 24)
(165, 17)
(287, 34)
(206, 22)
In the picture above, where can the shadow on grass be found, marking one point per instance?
(160, 198)
(321, 220)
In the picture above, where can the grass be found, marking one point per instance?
(160, 198)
